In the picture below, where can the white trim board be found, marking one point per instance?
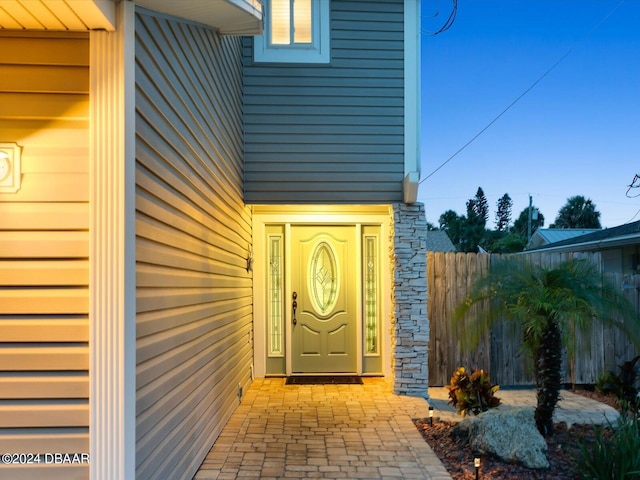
(112, 251)
(411, 99)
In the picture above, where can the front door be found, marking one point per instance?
(323, 287)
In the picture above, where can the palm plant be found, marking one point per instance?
(550, 305)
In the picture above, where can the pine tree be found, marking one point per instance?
(480, 206)
(503, 213)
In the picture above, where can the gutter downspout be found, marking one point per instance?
(411, 100)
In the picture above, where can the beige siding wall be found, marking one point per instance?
(44, 350)
(194, 294)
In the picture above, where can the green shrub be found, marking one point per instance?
(625, 384)
(472, 392)
(614, 453)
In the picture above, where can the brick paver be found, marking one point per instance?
(347, 431)
(323, 431)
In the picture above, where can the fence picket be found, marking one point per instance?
(449, 278)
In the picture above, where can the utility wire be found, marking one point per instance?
(635, 183)
(447, 24)
(531, 87)
(632, 218)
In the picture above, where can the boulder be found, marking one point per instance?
(509, 434)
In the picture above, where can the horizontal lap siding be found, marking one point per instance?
(193, 234)
(44, 250)
(330, 133)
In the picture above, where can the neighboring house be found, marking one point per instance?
(619, 247)
(545, 236)
(439, 241)
(188, 201)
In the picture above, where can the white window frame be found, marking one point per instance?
(318, 51)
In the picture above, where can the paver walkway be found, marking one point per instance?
(323, 431)
(571, 408)
(347, 431)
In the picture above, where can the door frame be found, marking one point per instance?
(356, 215)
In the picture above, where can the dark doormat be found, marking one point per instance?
(324, 380)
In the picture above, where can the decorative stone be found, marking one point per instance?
(411, 333)
(510, 434)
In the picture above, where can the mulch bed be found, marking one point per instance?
(563, 451)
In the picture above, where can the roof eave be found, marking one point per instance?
(229, 17)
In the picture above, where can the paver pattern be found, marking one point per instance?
(571, 408)
(347, 431)
(323, 431)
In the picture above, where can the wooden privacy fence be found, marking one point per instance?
(449, 278)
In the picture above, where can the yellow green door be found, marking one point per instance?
(323, 287)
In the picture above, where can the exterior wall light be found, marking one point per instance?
(10, 171)
(250, 259)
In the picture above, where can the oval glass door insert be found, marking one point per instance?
(323, 278)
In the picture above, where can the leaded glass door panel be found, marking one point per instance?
(323, 283)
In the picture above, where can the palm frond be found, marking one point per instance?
(572, 294)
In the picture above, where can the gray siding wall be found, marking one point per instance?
(330, 133)
(194, 294)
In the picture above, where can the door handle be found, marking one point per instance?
(294, 306)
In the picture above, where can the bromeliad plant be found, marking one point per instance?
(550, 304)
(472, 392)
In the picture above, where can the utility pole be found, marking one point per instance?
(529, 219)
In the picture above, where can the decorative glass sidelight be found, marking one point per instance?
(371, 294)
(323, 278)
(276, 323)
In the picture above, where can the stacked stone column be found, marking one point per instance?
(411, 333)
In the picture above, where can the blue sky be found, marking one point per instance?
(576, 133)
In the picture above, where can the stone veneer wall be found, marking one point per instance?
(411, 335)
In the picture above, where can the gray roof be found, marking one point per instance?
(627, 234)
(545, 236)
(439, 241)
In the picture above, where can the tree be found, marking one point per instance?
(468, 232)
(578, 212)
(520, 226)
(453, 224)
(479, 206)
(511, 243)
(473, 233)
(550, 304)
(503, 213)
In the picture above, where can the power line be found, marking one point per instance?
(531, 87)
(632, 218)
(447, 24)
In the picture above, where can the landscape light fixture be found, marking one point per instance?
(476, 463)
(430, 416)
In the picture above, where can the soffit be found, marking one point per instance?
(57, 15)
(233, 17)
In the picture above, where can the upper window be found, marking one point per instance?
(295, 31)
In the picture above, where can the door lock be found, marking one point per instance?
(294, 306)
